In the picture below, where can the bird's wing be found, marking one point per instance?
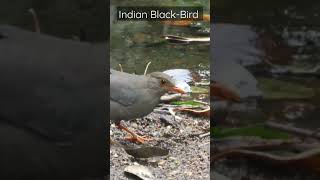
(123, 87)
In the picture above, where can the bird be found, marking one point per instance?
(52, 115)
(222, 92)
(134, 96)
(233, 46)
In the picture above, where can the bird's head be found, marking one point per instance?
(166, 82)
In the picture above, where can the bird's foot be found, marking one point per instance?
(134, 137)
(139, 139)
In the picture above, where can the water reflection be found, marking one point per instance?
(242, 55)
(274, 47)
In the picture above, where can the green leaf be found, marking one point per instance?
(254, 131)
(190, 103)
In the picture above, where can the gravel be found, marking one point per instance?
(189, 152)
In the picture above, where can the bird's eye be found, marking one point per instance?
(163, 81)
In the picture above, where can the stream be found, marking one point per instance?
(135, 43)
(278, 45)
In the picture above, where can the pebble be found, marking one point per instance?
(174, 172)
(188, 173)
(161, 162)
(155, 134)
(134, 125)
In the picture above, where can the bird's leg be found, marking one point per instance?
(135, 137)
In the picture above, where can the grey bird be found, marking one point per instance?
(133, 96)
(52, 106)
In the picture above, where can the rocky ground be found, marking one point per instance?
(180, 149)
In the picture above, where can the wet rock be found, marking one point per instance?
(168, 121)
(139, 171)
(147, 152)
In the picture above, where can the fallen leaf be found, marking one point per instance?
(206, 17)
(190, 103)
(139, 171)
(204, 112)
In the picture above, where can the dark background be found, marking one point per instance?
(25, 149)
(86, 19)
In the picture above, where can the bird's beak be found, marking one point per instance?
(177, 90)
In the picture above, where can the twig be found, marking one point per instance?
(204, 135)
(145, 71)
(186, 40)
(201, 102)
(203, 112)
(120, 67)
(171, 111)
(35, 20)
(307, 159)
(294, 130)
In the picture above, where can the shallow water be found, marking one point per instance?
(269, 52)
(286, 35)
(134, 44)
